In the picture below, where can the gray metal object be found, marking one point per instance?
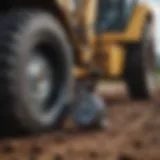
(90, 111)
(41, 80)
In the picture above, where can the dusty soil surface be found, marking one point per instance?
(133, 133)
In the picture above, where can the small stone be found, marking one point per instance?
(37, 149)
(58, 157)
(125, 157)
(93, 154)
(59, 138)
(8, 148)
(155, 140)
(137, 144)
(32, 157)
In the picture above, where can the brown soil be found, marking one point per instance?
(132, 134)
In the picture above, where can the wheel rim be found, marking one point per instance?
(40, 79)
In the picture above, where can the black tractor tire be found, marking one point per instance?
(140, 67)
(23, 34)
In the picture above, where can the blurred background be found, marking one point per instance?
(133, 125)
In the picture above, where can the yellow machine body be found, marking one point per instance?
(105, 51)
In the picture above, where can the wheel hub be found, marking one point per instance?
(40, 80)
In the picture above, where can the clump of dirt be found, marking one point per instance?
(125, 157)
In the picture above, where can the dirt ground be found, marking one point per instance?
(133, 133)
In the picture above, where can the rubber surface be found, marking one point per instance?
(20, 30)
(135, 68)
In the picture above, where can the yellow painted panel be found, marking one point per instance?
(134, 29)
(116, 61)
(110, 59)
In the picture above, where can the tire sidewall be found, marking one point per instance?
(40, 26)
(148, 56)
